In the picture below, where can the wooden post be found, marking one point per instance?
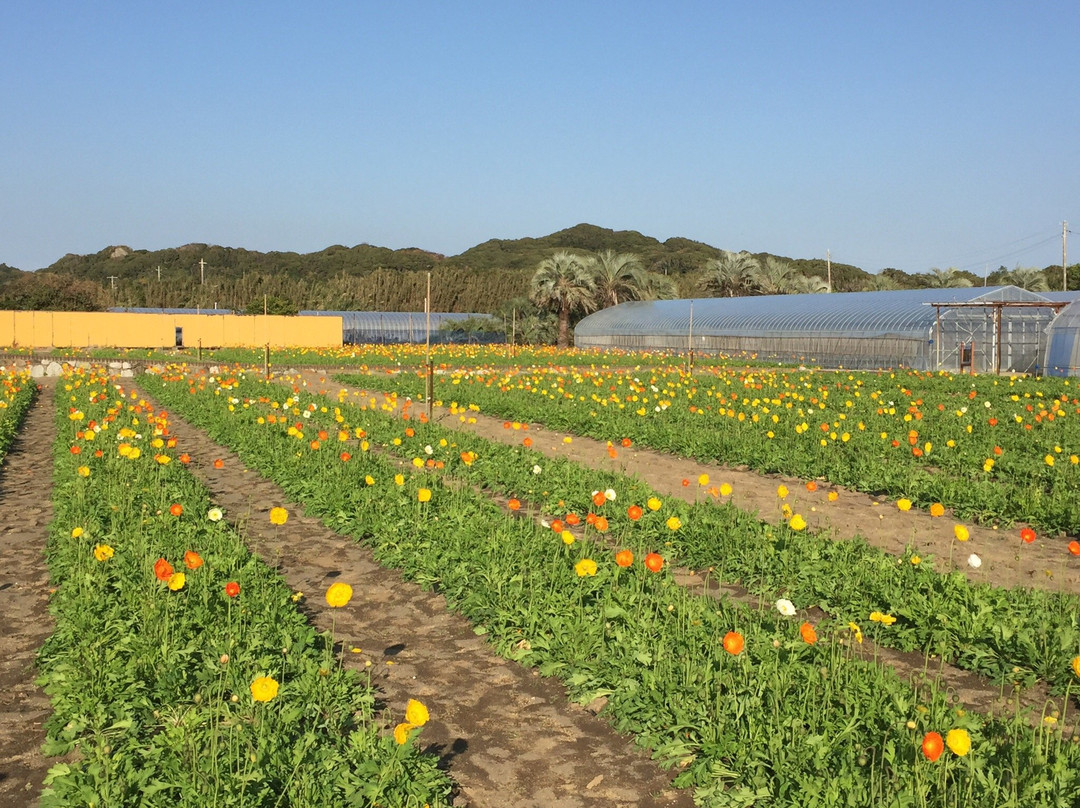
(266, 360)
(200, 349)
(430, 387)
(690, 343)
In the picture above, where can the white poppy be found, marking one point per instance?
(785, 607)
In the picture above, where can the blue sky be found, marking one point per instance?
(904, 135)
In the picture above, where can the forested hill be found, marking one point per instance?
(482, 278)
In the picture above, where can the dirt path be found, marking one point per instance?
(25, 513)
(1006, 561)
(507, 736)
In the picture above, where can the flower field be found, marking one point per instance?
(16, 394)
(993, 450)
(746, 701)
(180, 670)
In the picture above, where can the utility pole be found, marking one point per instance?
(159, 273)
(112, 281)
(828, 267)
(1064, 273)
(202, 272)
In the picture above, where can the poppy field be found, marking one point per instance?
(183, 668)
(991, 449)
(569, 570)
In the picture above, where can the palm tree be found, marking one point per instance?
(564, 284)
(1029, 278)
(730, 274)
(775, 277)
(655, 286)
(616, 275)
(879, 283)
(946, 278)
(808, 285)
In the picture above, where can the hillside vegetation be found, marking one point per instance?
(490, 277)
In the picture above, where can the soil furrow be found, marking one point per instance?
(506, 735)
(25, 513)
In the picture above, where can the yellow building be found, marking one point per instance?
(92, 329)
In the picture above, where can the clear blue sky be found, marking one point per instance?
(902, 134)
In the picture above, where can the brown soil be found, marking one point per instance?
(25, 512)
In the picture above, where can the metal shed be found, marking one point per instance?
(979, 328)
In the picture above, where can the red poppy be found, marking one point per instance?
(932, 746)
(627, 443)
(634, 512)
(734, 643)
(513, 504)
(654, 562)
(685, 483)
(1027, 535)
(162, 569)
(219, 463)
(232, 589)
(624, 558)
(176, 509)
(192, 560)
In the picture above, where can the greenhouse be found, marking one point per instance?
(1062, 345)
(361, 327)
(981, 329)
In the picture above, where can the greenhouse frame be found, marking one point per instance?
(981, 329)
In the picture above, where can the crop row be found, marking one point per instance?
(1014, 636)
(16, 395)
(746, 702)
(180, 669)
(992, 449)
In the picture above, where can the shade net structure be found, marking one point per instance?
(980, 328)
(362, 327)
(1062, 357)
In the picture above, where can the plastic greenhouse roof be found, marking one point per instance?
(393, 320)
(905, 314)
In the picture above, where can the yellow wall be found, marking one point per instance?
(82, 329)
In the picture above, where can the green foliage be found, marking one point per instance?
(272, 304)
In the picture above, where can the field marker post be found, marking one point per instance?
(429, 391)
(200, 349)
(690, 343)
(266, 360)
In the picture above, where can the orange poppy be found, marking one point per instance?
(590, 519)
(624, 558)
(654, 562)
(176, 509)
(734, 643)
(932, 746)
(527, 442)
(163, 570)
(1027, 535)
(513, 504)
(323, 435)
(232, 589)
(558, 526)
(599, 499)
(634, 512)
(192, 560)
(627, 443)
(806, 631)
(601, 524)
(573, 519)
(345, 457)
(1074, 548)
(219, 463)
(811, 486)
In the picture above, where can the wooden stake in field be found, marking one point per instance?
(690, 342)
(430, 391)
(266, 361)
